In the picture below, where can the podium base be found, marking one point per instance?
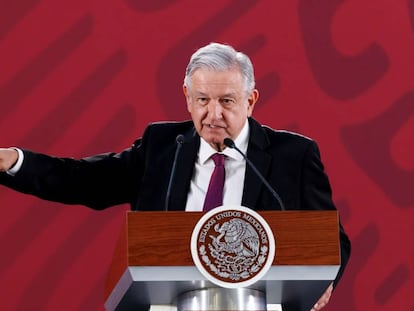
(221, 299)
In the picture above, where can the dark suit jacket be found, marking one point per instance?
(139, 175)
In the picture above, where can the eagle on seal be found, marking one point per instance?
(239, 237)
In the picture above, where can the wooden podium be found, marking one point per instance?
(152, 263)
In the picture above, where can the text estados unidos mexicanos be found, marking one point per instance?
(233, 214)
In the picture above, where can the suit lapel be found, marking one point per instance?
(184, 171)
(256, 154)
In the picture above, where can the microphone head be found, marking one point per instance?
(229, 142)
(180, 139)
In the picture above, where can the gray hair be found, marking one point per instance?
(220, 57)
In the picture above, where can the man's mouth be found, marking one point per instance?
(214, 126)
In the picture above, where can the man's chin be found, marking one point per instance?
(216, 142)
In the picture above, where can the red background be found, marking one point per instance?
(80, 77)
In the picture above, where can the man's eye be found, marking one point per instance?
(227, 101)
(202, 100)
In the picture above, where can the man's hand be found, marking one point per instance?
(323, 301)
(8, 156)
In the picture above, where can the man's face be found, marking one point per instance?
(218, 104)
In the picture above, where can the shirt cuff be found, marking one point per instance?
(16, 167)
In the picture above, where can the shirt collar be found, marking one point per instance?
(242, 140)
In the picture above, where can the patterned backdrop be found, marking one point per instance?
(80, 77)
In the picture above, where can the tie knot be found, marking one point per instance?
(218, 159)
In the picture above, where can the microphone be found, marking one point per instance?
(180, 141)
(230, 143)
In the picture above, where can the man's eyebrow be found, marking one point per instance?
(201, 94)
(229, 95)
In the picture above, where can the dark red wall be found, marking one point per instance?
(79, 77)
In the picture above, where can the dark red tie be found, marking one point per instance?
(214, 196)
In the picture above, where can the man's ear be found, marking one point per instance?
(185, 91)
(187, 97)
(251, 101)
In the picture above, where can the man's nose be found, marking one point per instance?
(215, 109)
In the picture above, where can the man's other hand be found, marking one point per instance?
(323, 301)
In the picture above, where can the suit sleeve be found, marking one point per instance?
(317, 195)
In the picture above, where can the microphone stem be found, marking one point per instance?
(180, 141)
(279, 200)
(230, 143)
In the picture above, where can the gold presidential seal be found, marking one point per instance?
(232, 246)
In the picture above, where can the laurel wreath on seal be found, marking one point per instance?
(246, 273)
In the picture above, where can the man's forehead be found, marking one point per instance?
(216, 79)
(216, 89)
(207, 74)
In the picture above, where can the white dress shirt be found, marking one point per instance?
(235, 167)
(18, 164)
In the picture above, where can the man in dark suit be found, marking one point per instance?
(220, 93)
